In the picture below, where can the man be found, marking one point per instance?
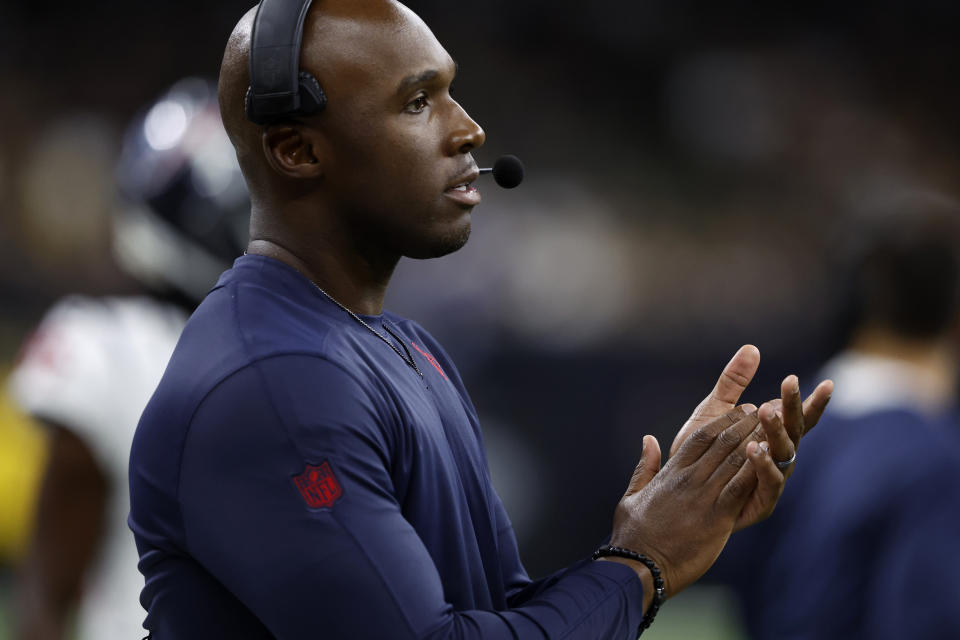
(91, 365)
(864, 544)
(311, 465)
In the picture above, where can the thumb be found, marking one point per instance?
(648, 466)
(733, 381)
(725, 394)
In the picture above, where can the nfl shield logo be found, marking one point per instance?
(318, 486)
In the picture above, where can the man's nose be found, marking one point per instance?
(467, 134)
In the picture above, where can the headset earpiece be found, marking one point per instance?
(312, 97)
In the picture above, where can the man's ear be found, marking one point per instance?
(292, 151)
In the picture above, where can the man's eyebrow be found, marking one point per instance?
(415, 79)
(421, 78)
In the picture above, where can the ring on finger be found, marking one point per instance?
(786, 463)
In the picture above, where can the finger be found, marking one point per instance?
(725, 394)
(758, 434)
(774, 432)
(769, 479)
(648, 466)
(727, 453)
(792, 408)
(815, 404)
(738, 489)
(701, 439)
(746, 408)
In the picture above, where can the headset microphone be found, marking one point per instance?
(507, 171)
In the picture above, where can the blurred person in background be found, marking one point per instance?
(91, 365)
(865, 543)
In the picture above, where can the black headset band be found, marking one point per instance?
(275, 76)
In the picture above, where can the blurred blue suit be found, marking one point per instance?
(865, 542)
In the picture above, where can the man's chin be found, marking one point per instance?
(444, 245)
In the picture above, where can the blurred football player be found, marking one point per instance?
(92, 363)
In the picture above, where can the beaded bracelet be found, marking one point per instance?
(659, 593)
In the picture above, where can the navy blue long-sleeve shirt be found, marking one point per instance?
(294, 477)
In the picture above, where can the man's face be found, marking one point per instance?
(399, 145)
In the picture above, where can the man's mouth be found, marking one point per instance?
(463, 191)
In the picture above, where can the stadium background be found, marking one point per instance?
(695, 171)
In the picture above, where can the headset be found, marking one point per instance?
(278, 89)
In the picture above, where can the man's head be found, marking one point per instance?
(378, 166)
(902, 275)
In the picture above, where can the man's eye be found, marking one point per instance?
(417, 105)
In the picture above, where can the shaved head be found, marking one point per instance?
(232, 91)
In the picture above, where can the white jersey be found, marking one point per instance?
(91, 367)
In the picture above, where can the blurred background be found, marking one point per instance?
(695, 173)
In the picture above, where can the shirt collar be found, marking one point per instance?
(869, 383)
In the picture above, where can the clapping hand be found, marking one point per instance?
(723, 473)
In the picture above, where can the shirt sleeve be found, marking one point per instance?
(333, 556)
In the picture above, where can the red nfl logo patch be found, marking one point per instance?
(318, 486)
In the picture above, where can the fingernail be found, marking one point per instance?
(765, 447)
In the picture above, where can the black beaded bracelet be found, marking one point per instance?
(659, 593)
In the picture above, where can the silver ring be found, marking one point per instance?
(786, 463)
